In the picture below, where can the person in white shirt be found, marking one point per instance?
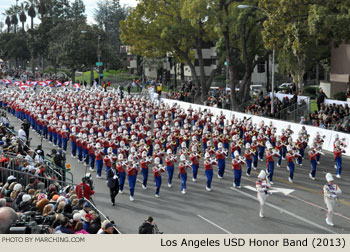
(262, 188)
(22, 135)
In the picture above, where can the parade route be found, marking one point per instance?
(297, 208)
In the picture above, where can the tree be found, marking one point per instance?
(159, 28)
(30, 7)
(22, 16)
(8, 23)
(108, 15)
(14, 21)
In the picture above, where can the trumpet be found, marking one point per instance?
(188, 163)
(275, 152)
(160, 167)
(162, 140)
(212, 160)
(148, 159)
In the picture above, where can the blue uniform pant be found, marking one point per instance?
(318, 156)
(145, 176)
(339, 165)
(64, 141)
(50, 136)
(279, 160)
(45, 131)
(237, 177)
(121, 180)
(158, 180)
(170, 170)
(74, 148)
(132, 182)
(271, 168)
(291, 167)
(313, 168)
(249, 165)
(255, 160)
(99, 165)
(54, 136)
(261, 151)
(80, 153)
(209, 175)
(92, 160)
(183, 177)
(300, 158)
(59, 140)
(195, 170)
(284, 151)
(221, 167)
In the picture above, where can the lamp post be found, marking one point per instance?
(244, 6)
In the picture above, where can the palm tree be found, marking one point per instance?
(14, 21)
(8, 23)
(30, 7)
(23, 16)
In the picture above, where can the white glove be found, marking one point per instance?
(115, 177)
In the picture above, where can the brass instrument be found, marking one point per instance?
(188, 163)
(319, 152)
(186, 137)
(148, 159)
(152, 138)
(276, 152)
(160, 167)
(162, 140)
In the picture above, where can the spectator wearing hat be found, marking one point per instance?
(25, 205)
(108, 229)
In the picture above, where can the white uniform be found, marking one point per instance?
(262, 188)
(330, 196)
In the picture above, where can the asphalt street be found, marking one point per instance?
(225, 209)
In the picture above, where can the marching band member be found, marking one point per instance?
(157, 170)
(262, 188)
(64, 134)
(73, 139)
(169, 162)
(158, 153)
(313, 161)
(300, 146)
(208, 170)
(91, 152)
(121, 167)
(107, 160)
(144, 162)
(290, 162)
(279, 147)
(248, 157)
(132, 171)
(194, 157)
(330, 195)
(79, 148)
(338, 160)
(237, 163)
(254, 148)
(261, 145)
(99, 154)
(183, 165)
(220, 156)
(270, 154)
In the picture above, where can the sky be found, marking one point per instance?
(90, 5)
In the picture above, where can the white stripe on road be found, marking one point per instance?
(286, 212)
(200, 216)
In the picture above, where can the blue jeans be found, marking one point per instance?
(249, 165)
(74, 148)
(271, 168)
(313, 167)
(99, 164)
(92, 161)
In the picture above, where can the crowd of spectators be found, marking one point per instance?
(330, 116)
(33, 202)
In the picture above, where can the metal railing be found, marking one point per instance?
(295, 114)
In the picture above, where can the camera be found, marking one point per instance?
(32, 223)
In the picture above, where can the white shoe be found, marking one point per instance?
(99, 177)
(234, 184)
(247, 174)
(261, 215)
(208, 189)
(254, 168)
(72, 155)
(239, 187)
(329, 222)
(290, 180)
(335, 166)
(261, 159)
(287, 168)
(278, 165)
(283, 158)
(144, 187)
(156, 195)
(183, 191)
(121, 192)
(338, 176)
(194, 180)
(132, 198)
(310, 176)
(219, 177)
(271, 182)
(318, 162)
(91, 169)
(169, 185)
